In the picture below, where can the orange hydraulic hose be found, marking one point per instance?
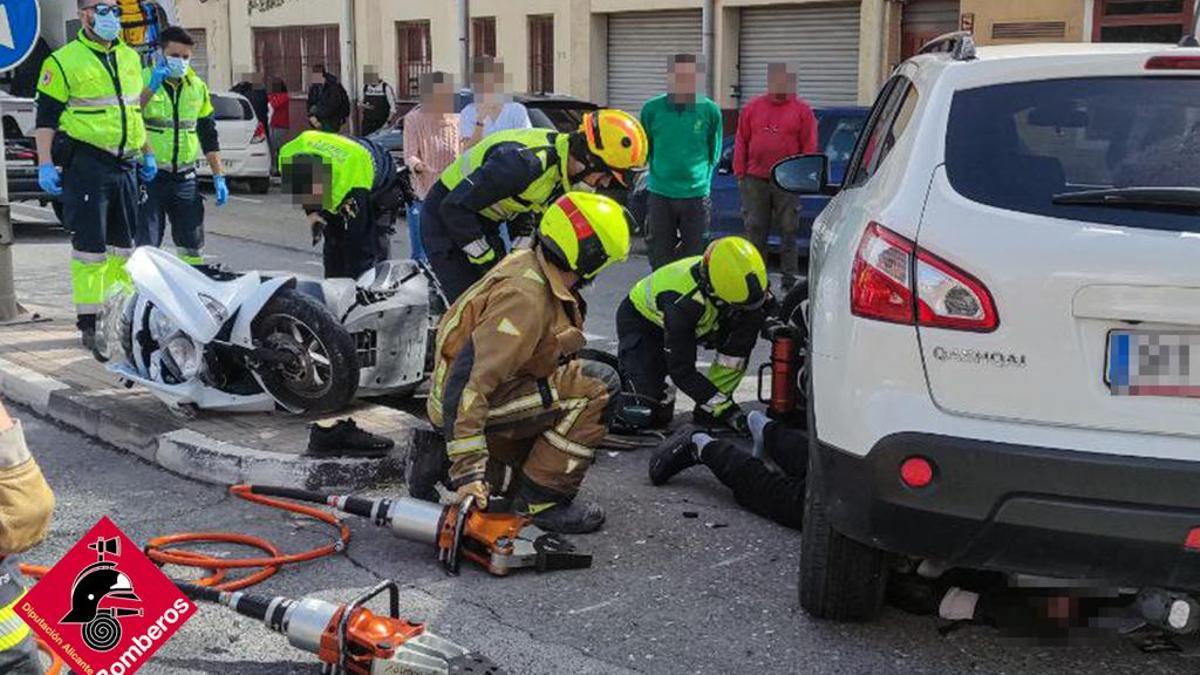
(158, 549)
(161, 550)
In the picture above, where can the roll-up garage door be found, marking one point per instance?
(200, 53)
(924, 20)
(639, 45)
(819, 40)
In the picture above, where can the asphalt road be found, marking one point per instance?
(666, 594)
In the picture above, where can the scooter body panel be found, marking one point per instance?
(177, 289)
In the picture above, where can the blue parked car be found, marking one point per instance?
(838, 130)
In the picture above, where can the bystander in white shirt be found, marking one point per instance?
(472, 129)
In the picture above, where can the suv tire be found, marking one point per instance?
(840, 578)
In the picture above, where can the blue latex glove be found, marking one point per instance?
(50, 179)
(222, 190)
(160, 73)
(149, 167)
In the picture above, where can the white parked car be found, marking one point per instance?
(1004, 312)
(244, 149)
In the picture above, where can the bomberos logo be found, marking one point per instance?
(105, 608)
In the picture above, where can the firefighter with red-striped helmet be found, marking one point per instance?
(506, 391)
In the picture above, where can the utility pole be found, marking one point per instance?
(708, 46)
(11, 311)
(348, 58)
(464, 41)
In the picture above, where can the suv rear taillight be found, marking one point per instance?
(894, 280)
(260, 134)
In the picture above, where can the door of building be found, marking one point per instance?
(923, 20)
(819, 42)
(639, 47)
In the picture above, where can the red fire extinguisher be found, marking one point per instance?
(785, 369)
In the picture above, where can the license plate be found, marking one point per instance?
(1146, 363)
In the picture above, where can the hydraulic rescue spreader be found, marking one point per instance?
(500, 542)
(350, 639)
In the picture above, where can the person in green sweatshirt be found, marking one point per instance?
(685, 146)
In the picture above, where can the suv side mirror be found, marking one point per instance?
(802, 174)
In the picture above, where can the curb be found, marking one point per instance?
(200, 457)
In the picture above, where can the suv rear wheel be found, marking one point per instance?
(840, 578)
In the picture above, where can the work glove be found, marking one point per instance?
(476, 488)
(222, 189)
(734, 418)
(480, 253)
(50, 179)
(157, 76)
(316, 224)
(149, 167)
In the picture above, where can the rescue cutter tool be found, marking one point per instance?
(350, 639)
(500, 542)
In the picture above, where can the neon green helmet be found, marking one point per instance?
(735, 272)
(585, 232)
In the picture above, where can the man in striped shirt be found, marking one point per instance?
(431, 140)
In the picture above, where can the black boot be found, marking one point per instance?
(344, 438)
(555, 512)
(675, 454)
(428, 465)
(87, 331)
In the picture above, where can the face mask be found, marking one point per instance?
(107, 27)
(177, 66)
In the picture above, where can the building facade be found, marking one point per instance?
(614, 52)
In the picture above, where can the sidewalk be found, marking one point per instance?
(42, 365)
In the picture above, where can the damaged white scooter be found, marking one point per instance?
(208, 339)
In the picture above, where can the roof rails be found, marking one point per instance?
(1190, 40)
(960, 45)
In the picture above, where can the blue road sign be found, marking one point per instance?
(20, 23)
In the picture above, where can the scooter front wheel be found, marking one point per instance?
(319, 369)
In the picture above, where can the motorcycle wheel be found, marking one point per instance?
(322, 376)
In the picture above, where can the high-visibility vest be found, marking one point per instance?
(350, 162)
(102, 90)
(12, 629)
(677, 277)
(171, 116)
(551, 148)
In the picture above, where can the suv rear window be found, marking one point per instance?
(1016, 146)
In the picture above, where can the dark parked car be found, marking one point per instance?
(837, 131)
(546, 111)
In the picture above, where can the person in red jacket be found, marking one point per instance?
(773, 126)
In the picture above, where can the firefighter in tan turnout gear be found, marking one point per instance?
(506, 390)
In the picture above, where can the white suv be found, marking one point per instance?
(1005, 325)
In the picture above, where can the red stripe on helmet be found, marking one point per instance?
(583, 228)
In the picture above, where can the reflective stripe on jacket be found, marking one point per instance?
(170, 116)
(680, 279)
(102, 91)
(518, 322)
(552, 150)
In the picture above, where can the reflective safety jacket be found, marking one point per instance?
(518, 322)
(507, 174)
(351, 161)
(673, 299)
(101, 89)
(172, 115)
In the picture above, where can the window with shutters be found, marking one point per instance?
(289, 53)
(1143, 20)
(415, 52)
(541, 53)
(483, 36)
